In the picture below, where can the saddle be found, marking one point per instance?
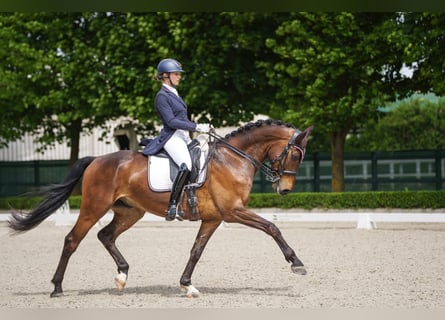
(162, 171)
(195, 154)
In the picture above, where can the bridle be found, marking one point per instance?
(272, 175)
(282, 158)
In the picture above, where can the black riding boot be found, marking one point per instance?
(178, 185)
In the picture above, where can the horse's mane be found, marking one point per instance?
(257, 124)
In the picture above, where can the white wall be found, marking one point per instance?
(25, 148)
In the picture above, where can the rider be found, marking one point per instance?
(175, 134)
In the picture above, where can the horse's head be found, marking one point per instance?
(286, 159)
(280, 143)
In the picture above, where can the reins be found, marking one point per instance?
(270, 174)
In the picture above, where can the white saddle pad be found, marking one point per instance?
(159, 171)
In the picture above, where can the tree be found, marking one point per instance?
(19, 62)
(219, 52)
(58, 73)
(415, 124)
(423, 42)
(70, 72)
(335, 69)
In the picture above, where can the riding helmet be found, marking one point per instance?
(169, 65)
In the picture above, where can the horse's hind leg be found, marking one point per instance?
(123, 219)
(72, 240)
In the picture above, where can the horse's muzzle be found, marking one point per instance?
(277, 188)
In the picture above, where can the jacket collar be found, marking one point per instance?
(171, 94)
(171, 89)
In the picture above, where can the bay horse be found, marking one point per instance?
(118, 182)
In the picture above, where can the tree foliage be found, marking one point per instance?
(61, 81)
(66, 73)
(62, 74)
(335, 70)
(415, 124)
(20, 62)
(424, 48)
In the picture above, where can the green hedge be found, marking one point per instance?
(26, 203)
(322, 200)
(352, 200)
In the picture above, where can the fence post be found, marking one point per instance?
(374, 171)
(263, 182)
(36, 166)
(438, 169)
(316, 172)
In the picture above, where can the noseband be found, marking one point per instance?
(272, 175)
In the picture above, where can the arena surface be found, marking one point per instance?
(397, 265)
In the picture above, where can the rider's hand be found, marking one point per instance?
(203, 128)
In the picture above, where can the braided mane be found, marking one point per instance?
(257, 124)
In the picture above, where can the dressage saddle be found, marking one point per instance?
(194, 148)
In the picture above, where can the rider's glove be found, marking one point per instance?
(203, 128)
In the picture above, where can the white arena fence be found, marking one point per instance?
(363, 219)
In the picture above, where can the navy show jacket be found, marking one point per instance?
(173, 113)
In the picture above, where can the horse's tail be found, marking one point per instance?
(55, 197)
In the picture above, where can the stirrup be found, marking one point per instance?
(171, 212)
(174, 212)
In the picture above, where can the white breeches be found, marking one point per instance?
(176, 147)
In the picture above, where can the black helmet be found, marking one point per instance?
(168, 65)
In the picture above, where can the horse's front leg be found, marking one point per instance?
(251, 219)
(205, 232)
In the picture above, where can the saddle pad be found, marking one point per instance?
(159, 173)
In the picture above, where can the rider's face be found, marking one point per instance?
(175, 77)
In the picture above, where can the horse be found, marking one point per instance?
(118, 181)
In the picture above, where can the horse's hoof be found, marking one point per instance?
(120, 280)
(192, 292)
(299, 270)
(55, 294)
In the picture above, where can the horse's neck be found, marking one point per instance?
(254, 145)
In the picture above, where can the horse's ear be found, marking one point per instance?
(302, 137)
(309, 130)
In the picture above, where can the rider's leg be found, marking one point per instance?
(176, 147)
(175, 196)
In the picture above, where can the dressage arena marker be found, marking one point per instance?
(365, 222)
(62, 215)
